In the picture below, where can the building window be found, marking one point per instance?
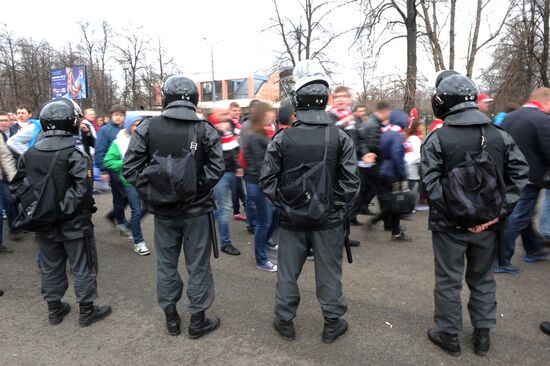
(257, 85)
(235, 89)
(207, 91)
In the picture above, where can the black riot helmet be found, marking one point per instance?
(61, 116)
(312, 96)
(454, 93)
(179, 90)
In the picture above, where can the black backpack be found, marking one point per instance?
(170, 181)
(37, 201)
(474, 190)
(307, 200)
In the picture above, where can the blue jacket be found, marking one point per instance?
(392, 150)
(499, 118)
(107, 134)
(392, 155)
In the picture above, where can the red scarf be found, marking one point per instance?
(534, 104)
(340, 113)
(436, 123)
(229, 140)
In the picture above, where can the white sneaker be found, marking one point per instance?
(268, 266)
(141, 248)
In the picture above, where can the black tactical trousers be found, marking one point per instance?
(82, 256)
(328, 246)
(193, 235)
(453, 253)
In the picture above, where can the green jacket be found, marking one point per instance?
(115, 155)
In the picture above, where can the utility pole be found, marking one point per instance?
(213, 79)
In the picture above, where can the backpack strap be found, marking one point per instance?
(52, 164)
(193, 140)
(327, 142)
(483, 137)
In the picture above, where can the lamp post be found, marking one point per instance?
(212, 61)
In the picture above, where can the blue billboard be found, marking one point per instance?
(69, 82)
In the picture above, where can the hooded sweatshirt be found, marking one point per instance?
(392, 149)
(115, 155)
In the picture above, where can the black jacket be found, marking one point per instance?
(254, 148)
(358, 134)
(371, 133)
(77, 204)
(231, 160)
(513, 170)
(346, 182)
(138, 155)
(530, 128)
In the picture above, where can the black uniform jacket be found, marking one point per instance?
(514, 170)
(346, 183)
(138, 156)
(76, 206)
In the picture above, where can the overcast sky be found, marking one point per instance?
(234, 27)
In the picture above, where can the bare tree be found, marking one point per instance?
(406, 12)
(452, 36)
(309, 34)
(8, 52)
(520, 59)
(131, 48)
(432, 32)
(473, 40)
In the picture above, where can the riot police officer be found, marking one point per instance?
(468, 135)
(172, 135)
(295, 153)
(71, 236)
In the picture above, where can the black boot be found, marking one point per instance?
(545, 327)
(90, 313)
(201, 325)
(482, 341)
(333, 329)
(447, 342)
(57, 311)
(285, 328)
(354, 243)
(173, 320)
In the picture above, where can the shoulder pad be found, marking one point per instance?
(431, 134)
(80, 151)
(279, 131)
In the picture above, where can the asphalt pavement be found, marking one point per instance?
(389, 288)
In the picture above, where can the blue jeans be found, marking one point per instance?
(544, 222)
(250, 209)
(237, 195)
(222, 194)
(264, 211)
(119, 199)
(8, 204)
(521, 222)
(137, 213)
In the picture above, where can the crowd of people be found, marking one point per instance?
(306, 170)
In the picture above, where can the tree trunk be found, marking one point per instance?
(452, 36)
(545, 36)
(410, 83)
(472, 51)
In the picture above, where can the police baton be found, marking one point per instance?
(213, 235)
(346, 240)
